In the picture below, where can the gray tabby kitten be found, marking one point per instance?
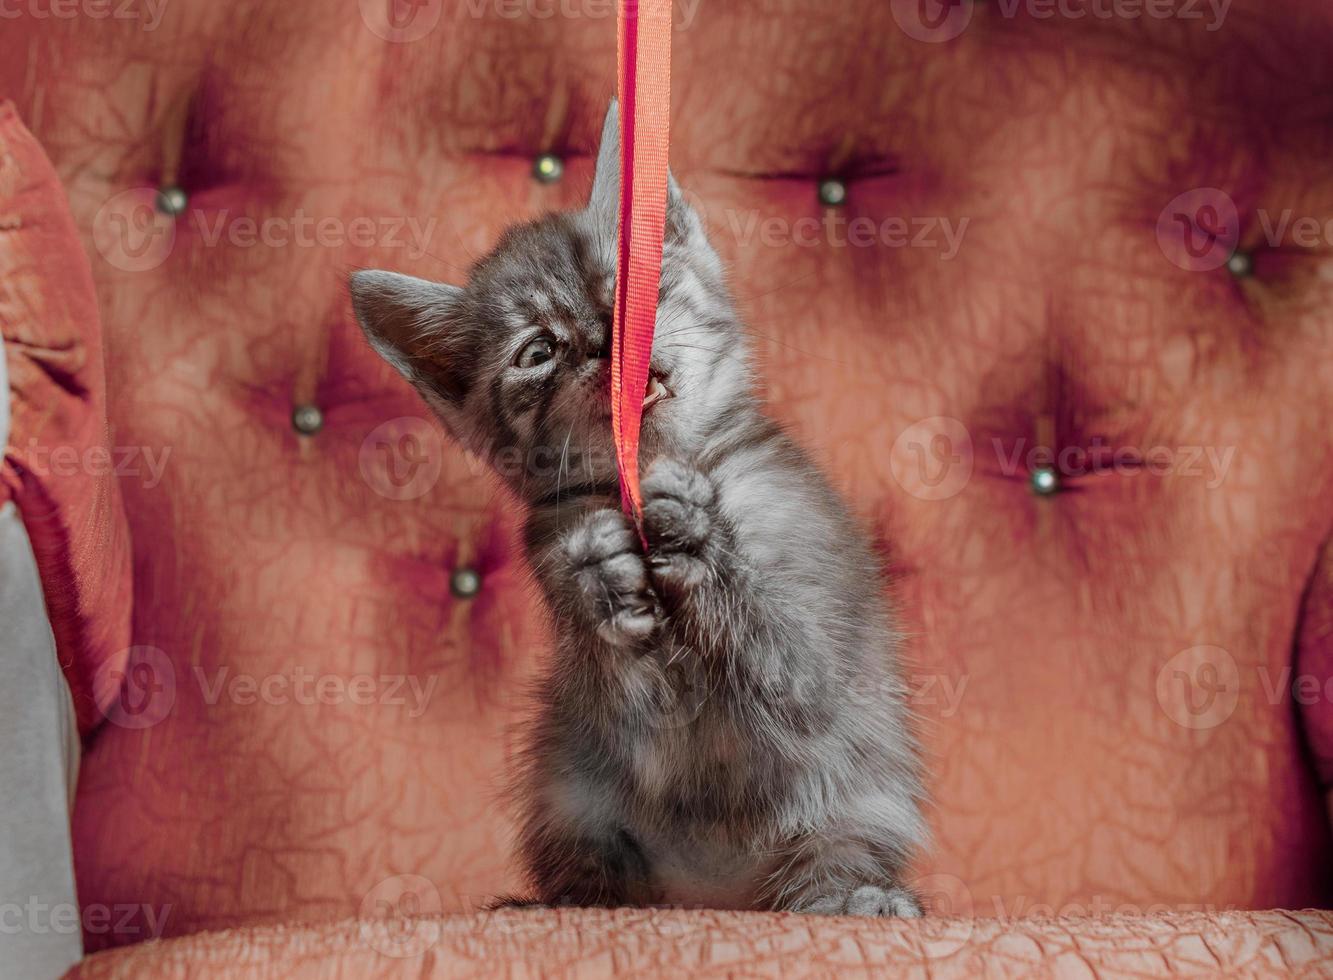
(723, 725)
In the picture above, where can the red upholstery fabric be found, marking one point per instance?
(59, 467)
(636, 943)
(1103, 676)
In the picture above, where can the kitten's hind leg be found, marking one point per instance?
(506, 902)
(572, 868)
(868, 900)
(839, 875)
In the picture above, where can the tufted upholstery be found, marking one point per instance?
(1103, 675)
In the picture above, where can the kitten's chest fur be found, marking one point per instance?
(700, 873)
(703, 791)
(696, 764)
(692, 797)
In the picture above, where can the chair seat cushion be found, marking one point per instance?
(651, 943)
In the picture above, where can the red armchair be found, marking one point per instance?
(1048, 328)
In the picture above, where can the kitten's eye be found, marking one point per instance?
(538, 352)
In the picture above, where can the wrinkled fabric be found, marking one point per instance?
(1105, 677)
(728, 944)
(59, 466)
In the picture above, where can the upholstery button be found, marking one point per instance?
(307, 419)
(1045, 481)
(832, 192)
(548, 168)
(1240, 265)
(171, 201)
(465, 582)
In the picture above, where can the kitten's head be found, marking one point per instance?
(517, 362)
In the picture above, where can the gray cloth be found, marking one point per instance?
(40, 934)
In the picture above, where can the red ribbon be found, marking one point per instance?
(645, 135)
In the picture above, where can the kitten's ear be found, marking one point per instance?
(414, 325)
(684, 225)
(605, 200)
(683, 222)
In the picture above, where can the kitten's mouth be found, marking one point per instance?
(657, 391)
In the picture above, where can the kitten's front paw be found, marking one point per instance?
(677, 506)
(677, 520)
(610, 577)
(868, 900)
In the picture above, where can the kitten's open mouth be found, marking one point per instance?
(657, 391)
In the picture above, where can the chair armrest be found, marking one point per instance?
(59, 467)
